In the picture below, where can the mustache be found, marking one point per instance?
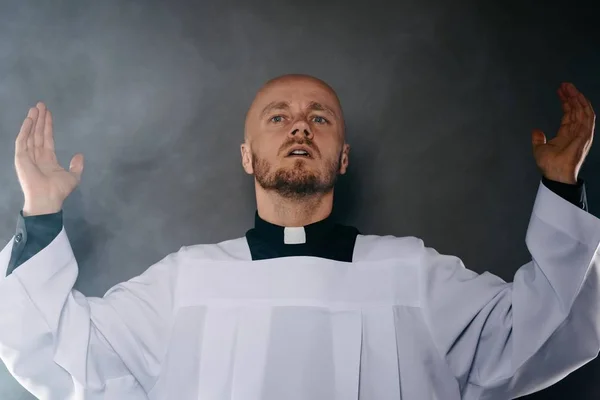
(302, 142)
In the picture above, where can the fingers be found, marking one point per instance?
(564, 101)
(569, 118)
(36, 131)
(48, 138)
(580, 107)
(21, 142)
(579, 117)
(587, 107)
(579, 121)
(577, 114)
(39, 125)
(33, 114)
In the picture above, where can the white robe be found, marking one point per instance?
(400, 322)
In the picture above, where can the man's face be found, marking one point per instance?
(295, 113)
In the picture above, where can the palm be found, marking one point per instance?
(562, 157)
(41, 177)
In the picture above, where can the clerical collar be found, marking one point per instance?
(325, 239)
(311, 233)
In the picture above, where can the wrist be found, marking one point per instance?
(567, 180)
(30, 210)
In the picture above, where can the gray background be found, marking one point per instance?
(440, 99)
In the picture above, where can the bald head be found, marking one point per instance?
(289, 88)
(297, 78)
(295, 113)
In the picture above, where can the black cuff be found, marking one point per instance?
(574, 194)
(33, 234)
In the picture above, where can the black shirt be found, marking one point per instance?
(325, 238)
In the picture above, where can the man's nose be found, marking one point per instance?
(301, 128)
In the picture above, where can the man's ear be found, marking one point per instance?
(246, 158)
(345, 158)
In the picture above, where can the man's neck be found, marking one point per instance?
(293, 212)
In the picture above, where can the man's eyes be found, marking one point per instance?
(317, 118)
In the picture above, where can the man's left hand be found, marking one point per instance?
(561, 158)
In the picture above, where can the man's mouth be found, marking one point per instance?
(299, 151)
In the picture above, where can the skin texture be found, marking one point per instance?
(298, 192)
(294, 191)
(561, 158)
(289, 191)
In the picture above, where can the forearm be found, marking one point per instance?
(47, 340)
(511, 339)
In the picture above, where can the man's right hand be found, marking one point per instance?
(44, 182)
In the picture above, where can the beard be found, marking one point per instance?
(295, 182)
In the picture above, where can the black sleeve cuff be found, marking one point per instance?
(33, 234)
(574, 194)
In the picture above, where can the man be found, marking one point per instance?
(301, 307)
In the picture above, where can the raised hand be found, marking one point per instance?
(44, 182)
(561, 158)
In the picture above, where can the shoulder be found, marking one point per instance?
(232, 249)
(376, 247)
(167, 270)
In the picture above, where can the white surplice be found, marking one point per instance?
(400, 322)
